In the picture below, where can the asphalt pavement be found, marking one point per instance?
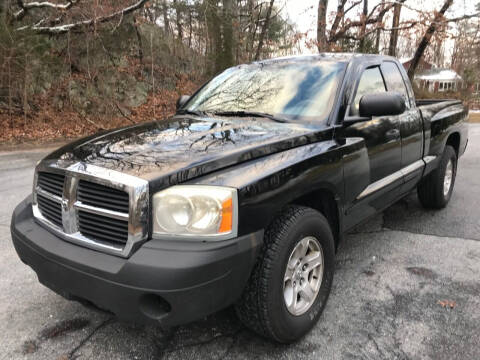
(407, 286)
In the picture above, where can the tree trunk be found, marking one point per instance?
(379, 31)
(363, 28)
(251, 28)
(426, 39)
(190, 27)
(264, 30)
(215, 37)
(166, 23)
(227, 25)
(339, 17)
(4, 12)
(256, 25)
(178, 19)
(139, 40)
(392, 49)
(322, 26)
(377, 41)
(439, 49)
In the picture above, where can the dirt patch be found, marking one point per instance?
(29, 347)
(52, 332)
(423, 272)
(64, 327)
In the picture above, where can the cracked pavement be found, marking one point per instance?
(407, 286)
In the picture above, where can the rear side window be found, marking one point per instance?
(370, 82)
(394, 80)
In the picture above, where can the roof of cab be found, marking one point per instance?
(346, 57)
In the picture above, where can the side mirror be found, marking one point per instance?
(182, 100)
(382, 104)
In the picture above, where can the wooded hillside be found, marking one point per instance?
(69, 68)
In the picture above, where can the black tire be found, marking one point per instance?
(262, 307)
(431, 189)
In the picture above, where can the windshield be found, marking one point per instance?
(299, 90)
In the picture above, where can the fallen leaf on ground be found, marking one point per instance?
(447, 303)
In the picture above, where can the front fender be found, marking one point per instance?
(267, 184)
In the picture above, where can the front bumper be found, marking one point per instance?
(163, 282)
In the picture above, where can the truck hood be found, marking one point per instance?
(183, 147)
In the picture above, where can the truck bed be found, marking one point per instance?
(423, 102)
(438, 115)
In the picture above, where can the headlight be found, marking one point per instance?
(196, 211)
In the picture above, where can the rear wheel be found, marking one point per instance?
(435, 190)
(291, 281)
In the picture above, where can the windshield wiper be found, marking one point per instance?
(191, 112)
(249, 113)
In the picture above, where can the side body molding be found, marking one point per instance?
(380, 184)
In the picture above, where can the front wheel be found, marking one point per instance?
(435, 190)
(291, 281)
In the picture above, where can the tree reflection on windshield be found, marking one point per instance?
(292, 90)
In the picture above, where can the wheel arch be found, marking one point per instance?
(326, 202)
(454, 141)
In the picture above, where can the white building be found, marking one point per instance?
(434, 79)
(438, 80)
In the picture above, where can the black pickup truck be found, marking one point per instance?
(242, 197)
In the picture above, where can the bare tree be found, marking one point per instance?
(264, 30)
(252, 26)
(178, 19)
(227, 27)
(392, 49)
(25, 7)
(214, 36)
(379, 30)
(364, 26)
(39, 27)
(322, 26)
(76, 63)
(166, 23)
(439, 16)
(341, 28)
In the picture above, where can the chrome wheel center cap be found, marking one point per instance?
(299, 274)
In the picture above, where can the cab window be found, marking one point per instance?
(371, 82)
(394, 80)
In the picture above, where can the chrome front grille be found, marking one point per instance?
(49, 196)
(50, 209)
(101, 196)
(91, 206)
(51, 182)
(102, 227)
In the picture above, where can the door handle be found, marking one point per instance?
(392, 134)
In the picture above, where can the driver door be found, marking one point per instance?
(384, 147)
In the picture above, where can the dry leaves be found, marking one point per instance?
(447, 304)
(47, 124)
